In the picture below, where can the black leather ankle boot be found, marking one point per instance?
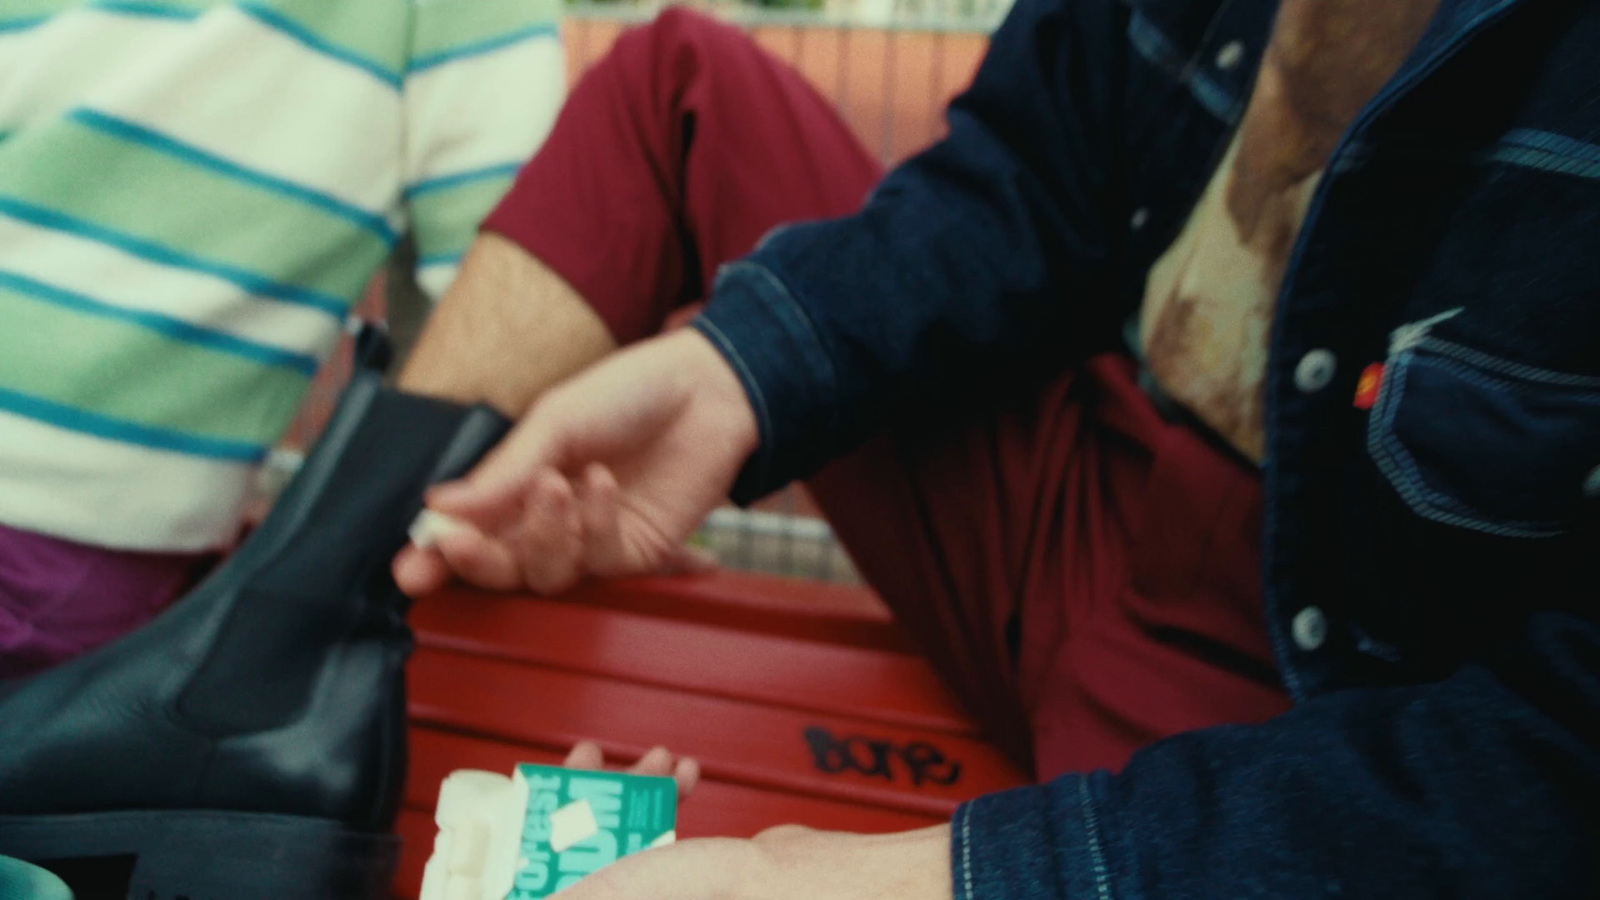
(250, 741)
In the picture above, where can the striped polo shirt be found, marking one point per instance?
(193, 193)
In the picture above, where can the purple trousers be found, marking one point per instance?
(59, 599)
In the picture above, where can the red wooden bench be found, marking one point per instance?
(803, 702)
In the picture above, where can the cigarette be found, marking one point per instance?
(430, 526)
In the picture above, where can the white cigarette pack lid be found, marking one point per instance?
(475, 855)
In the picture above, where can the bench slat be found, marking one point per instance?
(860, 761)
(809, 610)
(883, 685)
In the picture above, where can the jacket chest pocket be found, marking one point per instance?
(1478, 442)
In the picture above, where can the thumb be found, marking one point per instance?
(490, 510)
(491, 495)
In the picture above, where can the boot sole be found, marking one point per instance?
(202, 855)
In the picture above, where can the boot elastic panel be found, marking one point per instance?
(273, 692)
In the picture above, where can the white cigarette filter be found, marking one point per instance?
(429, 526)
(571, 825)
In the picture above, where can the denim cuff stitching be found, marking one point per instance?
(793, 317)
(753, 388)
(1091, 828)
(966, 850)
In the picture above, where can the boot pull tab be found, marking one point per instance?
(372, 347)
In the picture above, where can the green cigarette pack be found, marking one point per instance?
(578, 821)
(529, 835)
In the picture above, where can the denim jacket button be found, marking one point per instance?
(1315, 371)
(1229, 57)
(1309, 628)
(1591, 485)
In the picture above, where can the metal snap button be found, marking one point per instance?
(1309, 629)
(1315, 370)
(1230, 56)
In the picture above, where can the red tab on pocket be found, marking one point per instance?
(1367, 387)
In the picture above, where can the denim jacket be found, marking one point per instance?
(1431, 566)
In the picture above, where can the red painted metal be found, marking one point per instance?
(809, 610)
(805, 675)
(733, 669)
(745, 743)
(416, 831)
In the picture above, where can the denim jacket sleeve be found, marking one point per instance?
(1486, 784)
(966, 257)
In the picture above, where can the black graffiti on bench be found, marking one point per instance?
(876, 758)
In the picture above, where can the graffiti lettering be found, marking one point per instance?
(875, 758)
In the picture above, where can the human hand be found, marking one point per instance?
(607, 474)
(787, 863)
(660, 762)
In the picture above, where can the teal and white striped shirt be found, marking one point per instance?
(192, 195)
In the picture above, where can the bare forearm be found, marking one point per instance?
(785, 863)
(509, 328)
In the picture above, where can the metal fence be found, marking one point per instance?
(889, 66)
